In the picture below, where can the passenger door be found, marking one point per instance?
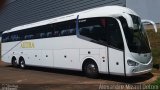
(115, 48)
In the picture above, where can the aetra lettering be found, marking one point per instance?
(27, 45)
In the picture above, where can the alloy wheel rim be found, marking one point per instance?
(22, 64)
(91, 68)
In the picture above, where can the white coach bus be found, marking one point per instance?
(108, 40)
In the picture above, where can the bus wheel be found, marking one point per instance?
(22, 63)
(14, 62)
(91, 69)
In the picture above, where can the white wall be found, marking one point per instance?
(147, 9)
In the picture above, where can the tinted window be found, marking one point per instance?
(104, 30)
(51, 30)
(28, 34)
(43, 31)
(94, 28)
(5, 37)
(136, 38)
(65, 28)
(115, 36)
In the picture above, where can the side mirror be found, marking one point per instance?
(151, 22)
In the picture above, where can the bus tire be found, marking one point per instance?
(14, 62)
(91, 69)
(22, 64)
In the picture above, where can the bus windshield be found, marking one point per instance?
(136, 38)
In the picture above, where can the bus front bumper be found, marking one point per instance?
(139, 73)
(139, 70)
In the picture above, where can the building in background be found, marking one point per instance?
(147, 9)
(20, 12)
(2, 3)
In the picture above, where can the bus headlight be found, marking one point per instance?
(132, 63)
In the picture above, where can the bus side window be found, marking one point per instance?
(56, 33)
(21, 34)
(72, 31)
(85, 31)
(15, 36)
(5, 38)
(66, 28)
(25, 37)
(71, 27)
(42, 35)
(94, 28)
(49, 34)
(47, 30)
(64, 32)
(115, 36)
(58, 29)
(50, 30)
(62, 28)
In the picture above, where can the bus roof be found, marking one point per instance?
(105, 11)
